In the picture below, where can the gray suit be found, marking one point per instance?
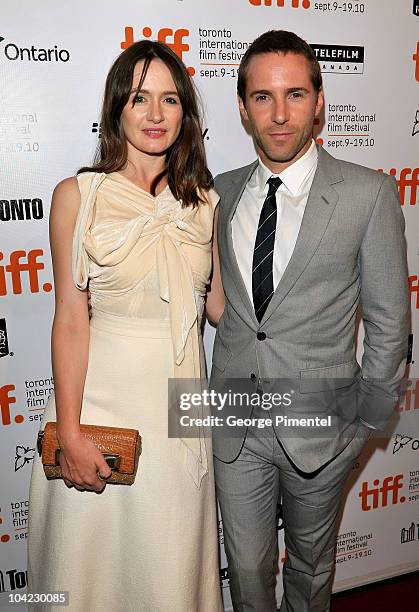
(350, 252)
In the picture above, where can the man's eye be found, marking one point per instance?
(296, 94)
(261, 98)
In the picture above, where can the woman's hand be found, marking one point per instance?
(82, 463)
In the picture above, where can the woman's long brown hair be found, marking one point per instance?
(186, 167)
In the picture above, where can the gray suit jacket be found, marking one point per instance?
(350, 252)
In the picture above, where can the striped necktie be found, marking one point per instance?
(262, 267)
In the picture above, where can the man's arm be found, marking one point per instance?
(386, 307)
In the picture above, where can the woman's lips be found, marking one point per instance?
(154, 133)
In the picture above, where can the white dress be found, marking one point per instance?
(152, 546)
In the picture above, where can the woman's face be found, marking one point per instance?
(152, 125)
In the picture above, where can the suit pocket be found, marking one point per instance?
(359, 440)
(332, 265)
(314, 380)
(221, 355)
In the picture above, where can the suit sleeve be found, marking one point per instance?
(385, 302)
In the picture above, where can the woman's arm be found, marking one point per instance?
(215, 295)
(80, 459)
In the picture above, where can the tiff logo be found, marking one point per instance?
(379, 496)
(4, 343)
(410, 534)
(408, 180)
(4, 537)
(415, 58)
(6, 400)
(409, 399)
(416, 7)
(177, 43)
(414, 288)
(22, 261)
(281, 3)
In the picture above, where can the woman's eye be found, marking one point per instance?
(138, 99)
(171, 100)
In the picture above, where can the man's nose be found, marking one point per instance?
(280, 111)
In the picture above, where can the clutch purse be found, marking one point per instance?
(120, 447)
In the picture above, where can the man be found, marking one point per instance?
(303, 240)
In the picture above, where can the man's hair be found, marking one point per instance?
(279, 41)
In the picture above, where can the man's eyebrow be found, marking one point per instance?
(260, 92)
(266, 92)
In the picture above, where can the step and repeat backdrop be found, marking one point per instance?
(54, 57)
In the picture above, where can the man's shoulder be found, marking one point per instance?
(354, 173)
(239, 175)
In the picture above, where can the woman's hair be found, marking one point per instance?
(186, 168)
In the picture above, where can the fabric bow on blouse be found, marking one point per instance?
(163, 235)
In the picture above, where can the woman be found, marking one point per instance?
(136, 230)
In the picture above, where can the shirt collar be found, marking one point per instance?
(292, 177)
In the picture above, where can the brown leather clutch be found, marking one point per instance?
(120, 447)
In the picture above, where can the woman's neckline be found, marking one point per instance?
(147, 193)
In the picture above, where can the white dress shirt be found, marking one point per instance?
(291, 200)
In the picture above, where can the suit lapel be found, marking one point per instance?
(233, 196)
(319, 208)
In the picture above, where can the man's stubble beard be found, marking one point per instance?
(284, 158)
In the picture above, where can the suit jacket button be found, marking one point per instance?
(261, 335)
(253, 376)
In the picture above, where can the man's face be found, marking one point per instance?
(281, 104)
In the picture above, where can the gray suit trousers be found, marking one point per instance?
(248, 492)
